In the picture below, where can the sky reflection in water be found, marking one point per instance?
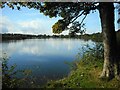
(45, 57)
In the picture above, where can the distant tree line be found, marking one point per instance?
(94, 37)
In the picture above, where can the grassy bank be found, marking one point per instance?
(86, 74)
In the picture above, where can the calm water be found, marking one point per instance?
(45, 57)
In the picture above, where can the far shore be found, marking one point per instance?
(10, 36)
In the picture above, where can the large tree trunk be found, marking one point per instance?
(118, 60)
(106, 11)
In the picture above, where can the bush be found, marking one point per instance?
(9, 79)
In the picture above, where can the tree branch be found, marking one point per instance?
(76, 17)
(83, 19)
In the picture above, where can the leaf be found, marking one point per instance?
(18, 7)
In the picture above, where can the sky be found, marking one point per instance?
(31, 21)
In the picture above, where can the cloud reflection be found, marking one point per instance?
(45, 47)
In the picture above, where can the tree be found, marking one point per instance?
(106, 11)
(70, 12)
(76, 28)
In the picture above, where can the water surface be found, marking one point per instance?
(45, 57)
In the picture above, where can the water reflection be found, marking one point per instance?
(45, 57)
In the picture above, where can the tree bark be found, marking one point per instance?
(106, 11)
(118, 61)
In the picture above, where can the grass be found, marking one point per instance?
(86, 75)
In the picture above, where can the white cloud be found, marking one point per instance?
(35, 26)
(8, 26)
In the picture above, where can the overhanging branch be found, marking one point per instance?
(77, 17)
(83, 19)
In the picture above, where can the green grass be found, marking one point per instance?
(85, 76)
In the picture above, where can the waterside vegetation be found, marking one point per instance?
(87, 73)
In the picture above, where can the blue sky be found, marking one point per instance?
(31, 21)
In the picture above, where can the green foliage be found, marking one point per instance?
(96, 51)
(89, 54)
(97, 37)
(59, 26)
(9, 79)
(87, 73)
(77, 28)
